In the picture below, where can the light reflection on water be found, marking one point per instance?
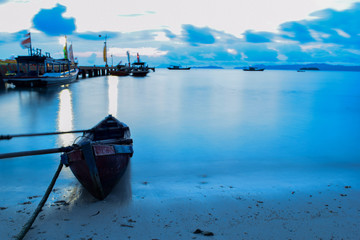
(270, 127)
(113, 82)
(65, 118)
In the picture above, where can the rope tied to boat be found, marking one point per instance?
(29, 223)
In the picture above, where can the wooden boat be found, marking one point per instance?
(121, 70)
(178, 67)
(253, 69)
(42, 71)
(99, 159)
(139, 69)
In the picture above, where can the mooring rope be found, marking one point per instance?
(29, 223)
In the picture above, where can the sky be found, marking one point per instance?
(227, 33)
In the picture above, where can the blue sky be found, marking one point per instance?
(226, 33)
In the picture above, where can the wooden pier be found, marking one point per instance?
(85, 71)
(94, 71)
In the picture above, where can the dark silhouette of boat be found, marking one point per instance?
(99, 159)
(41, 71)
(253, 69)
(139, 69)
(178, 67)
(121, 70)
(310, 68)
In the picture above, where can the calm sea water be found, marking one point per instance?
(248, 129)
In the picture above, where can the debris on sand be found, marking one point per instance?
(98, 212)
(125, 225)
(205, 233)
(61, 203)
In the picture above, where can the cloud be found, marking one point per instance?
(259, 53)
(293, 53)
(340, 27)
(94, 36)
(153, 52)
(196, 35)
(52, 23)
(137, 14)
(92, 59)
(327, 26)
(169, 34)
(296, 31)
(257, 37)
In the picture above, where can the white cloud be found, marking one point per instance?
(161, 36)
(341, 33)
(144, 51)
(231, 51)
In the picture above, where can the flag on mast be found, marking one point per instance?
(104, 53)
(26, 43)
(128, 55)
(71, 54)
(65, 49)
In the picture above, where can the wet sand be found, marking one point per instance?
(209, 210)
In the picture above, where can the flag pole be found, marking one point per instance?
(106, 64)
(30, 44)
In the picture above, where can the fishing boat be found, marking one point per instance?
(121, 70)
(253, 69)
(139, 69)
(178, 67)
(41, 71)
(99, 159)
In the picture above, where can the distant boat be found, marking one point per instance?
(301, 70)
(310, 68)
(139, 69)
(178, 67)
(121, 70)
(253, 69)
(42, 71)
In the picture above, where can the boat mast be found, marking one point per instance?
(30, 49)
(105, 51)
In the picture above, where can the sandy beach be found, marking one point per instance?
(199, 208)
(270, 156)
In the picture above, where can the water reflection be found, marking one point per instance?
(2, 86)
(65, 118)
(113, 83)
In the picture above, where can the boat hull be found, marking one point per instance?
(100, 158)
(140, 73)
(119, 73)
(256, 70)
(42, 81)
(100, 176)
(179, 68)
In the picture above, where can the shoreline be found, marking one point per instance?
(147, 211)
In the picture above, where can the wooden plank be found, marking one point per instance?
(123, 149)
(94, 173)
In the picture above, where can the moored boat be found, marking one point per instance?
(99, 159)
(253, 69)
(42, 71)
(121, 70)
(139, 69)
(178, 67)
